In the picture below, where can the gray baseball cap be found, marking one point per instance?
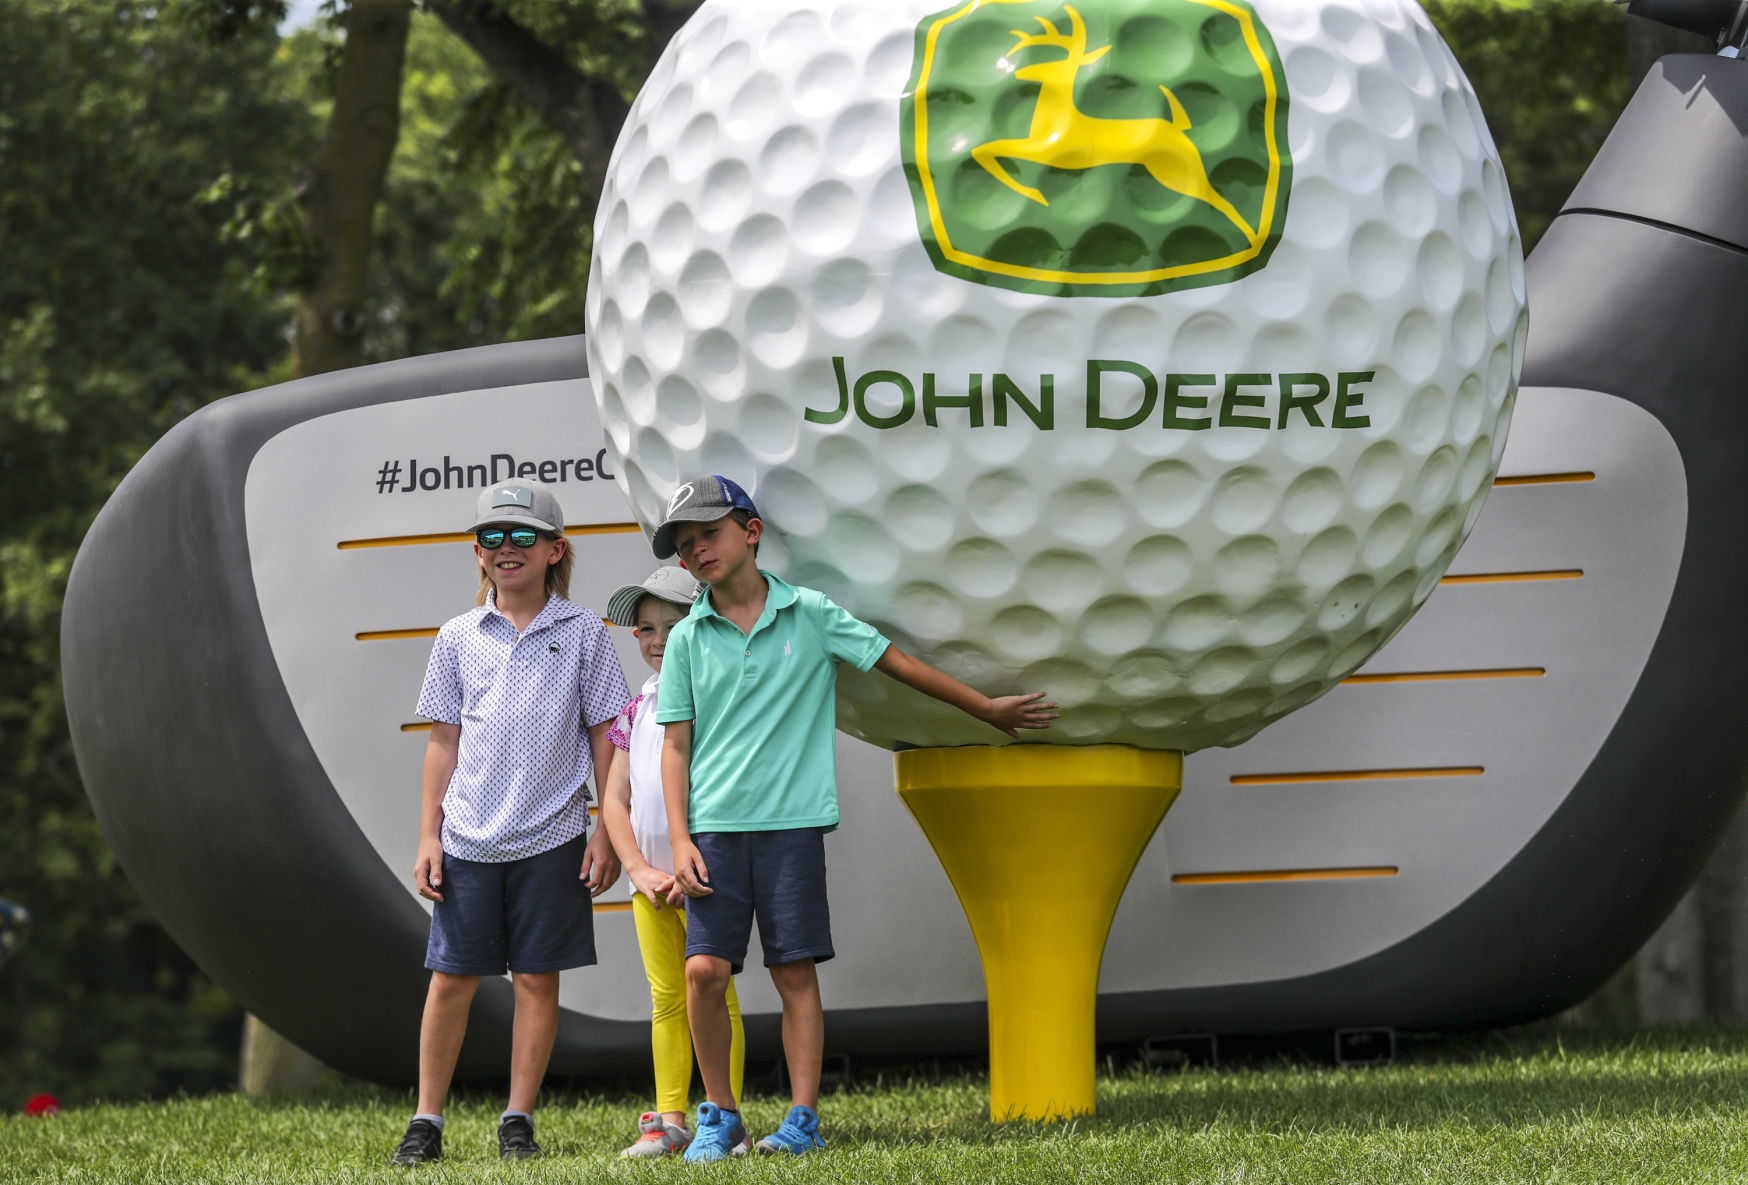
(700, 500)
(519, 501)
(668, 583)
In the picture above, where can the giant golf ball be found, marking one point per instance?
(1154, 353)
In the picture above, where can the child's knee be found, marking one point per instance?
(447, 988)
(799, 976)
(667, 995)
(667, 1006)
(535, 984)
(707, 975)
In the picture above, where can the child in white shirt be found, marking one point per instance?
(635, 818)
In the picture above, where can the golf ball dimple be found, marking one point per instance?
(1156, 354)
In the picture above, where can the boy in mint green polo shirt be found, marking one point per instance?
(750, 778)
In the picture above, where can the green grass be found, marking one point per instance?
(1547, 1106)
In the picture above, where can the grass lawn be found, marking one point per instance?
(1543, 1105)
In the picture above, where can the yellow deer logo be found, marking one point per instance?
(1065, 137)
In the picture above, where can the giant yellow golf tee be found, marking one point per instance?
(1039, 842)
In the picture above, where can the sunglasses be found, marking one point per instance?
(492, 538)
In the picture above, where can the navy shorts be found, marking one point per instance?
(777, 876)
(531, 915)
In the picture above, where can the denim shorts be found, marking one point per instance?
(531, 915)
(777, 876)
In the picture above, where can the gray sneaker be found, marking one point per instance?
(659, 1137)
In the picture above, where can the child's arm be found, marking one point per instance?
(1008, 713)
(440, 755)
(600, 865)
(616, 820)
(690, 875)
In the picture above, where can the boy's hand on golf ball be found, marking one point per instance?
(1010, 713)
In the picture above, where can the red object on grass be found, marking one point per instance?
(42, 1105)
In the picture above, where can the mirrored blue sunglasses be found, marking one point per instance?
(492, 538)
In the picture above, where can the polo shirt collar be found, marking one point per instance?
(779, 594)
(555, 610)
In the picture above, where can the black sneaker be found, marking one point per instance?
(422, 1144)
(516, 1139)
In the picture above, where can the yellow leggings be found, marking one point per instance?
(661, 936)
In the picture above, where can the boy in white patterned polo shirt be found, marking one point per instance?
(503, 827)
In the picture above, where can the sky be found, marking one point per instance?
(299, 13)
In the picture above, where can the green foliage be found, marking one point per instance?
(229, 20)
(522, 266)
(521, 219)
(483, 231)
(475, 241)
(606, 38)
(121, 310)
(1552, 78)
(261, 225)
(1668, 1107)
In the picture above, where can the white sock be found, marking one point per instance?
(436, 1119)
(507, 1115)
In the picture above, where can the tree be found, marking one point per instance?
(1696, 965)
(1551, 79)
(121, 310)
(538, 138)
(336, 196)
(337, 193)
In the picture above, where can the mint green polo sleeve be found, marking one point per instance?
(848, 638)
(674, 701)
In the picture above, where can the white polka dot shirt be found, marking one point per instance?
(524, 705)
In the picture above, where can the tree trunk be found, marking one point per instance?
(1695, 967)
(1670, 984)
(338, 192)
(586, 111)
(273, 1065)
(336, 198)
(1647, 41)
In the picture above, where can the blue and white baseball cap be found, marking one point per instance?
(701, 500)
(519, 501)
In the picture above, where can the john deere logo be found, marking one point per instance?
(1099, 148)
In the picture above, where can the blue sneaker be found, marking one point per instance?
(799, 1133)
(719, 1135)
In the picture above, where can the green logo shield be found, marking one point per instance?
(1097, 148)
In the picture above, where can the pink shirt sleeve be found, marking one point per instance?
(620, 733)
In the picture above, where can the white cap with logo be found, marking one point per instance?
(671, 584)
